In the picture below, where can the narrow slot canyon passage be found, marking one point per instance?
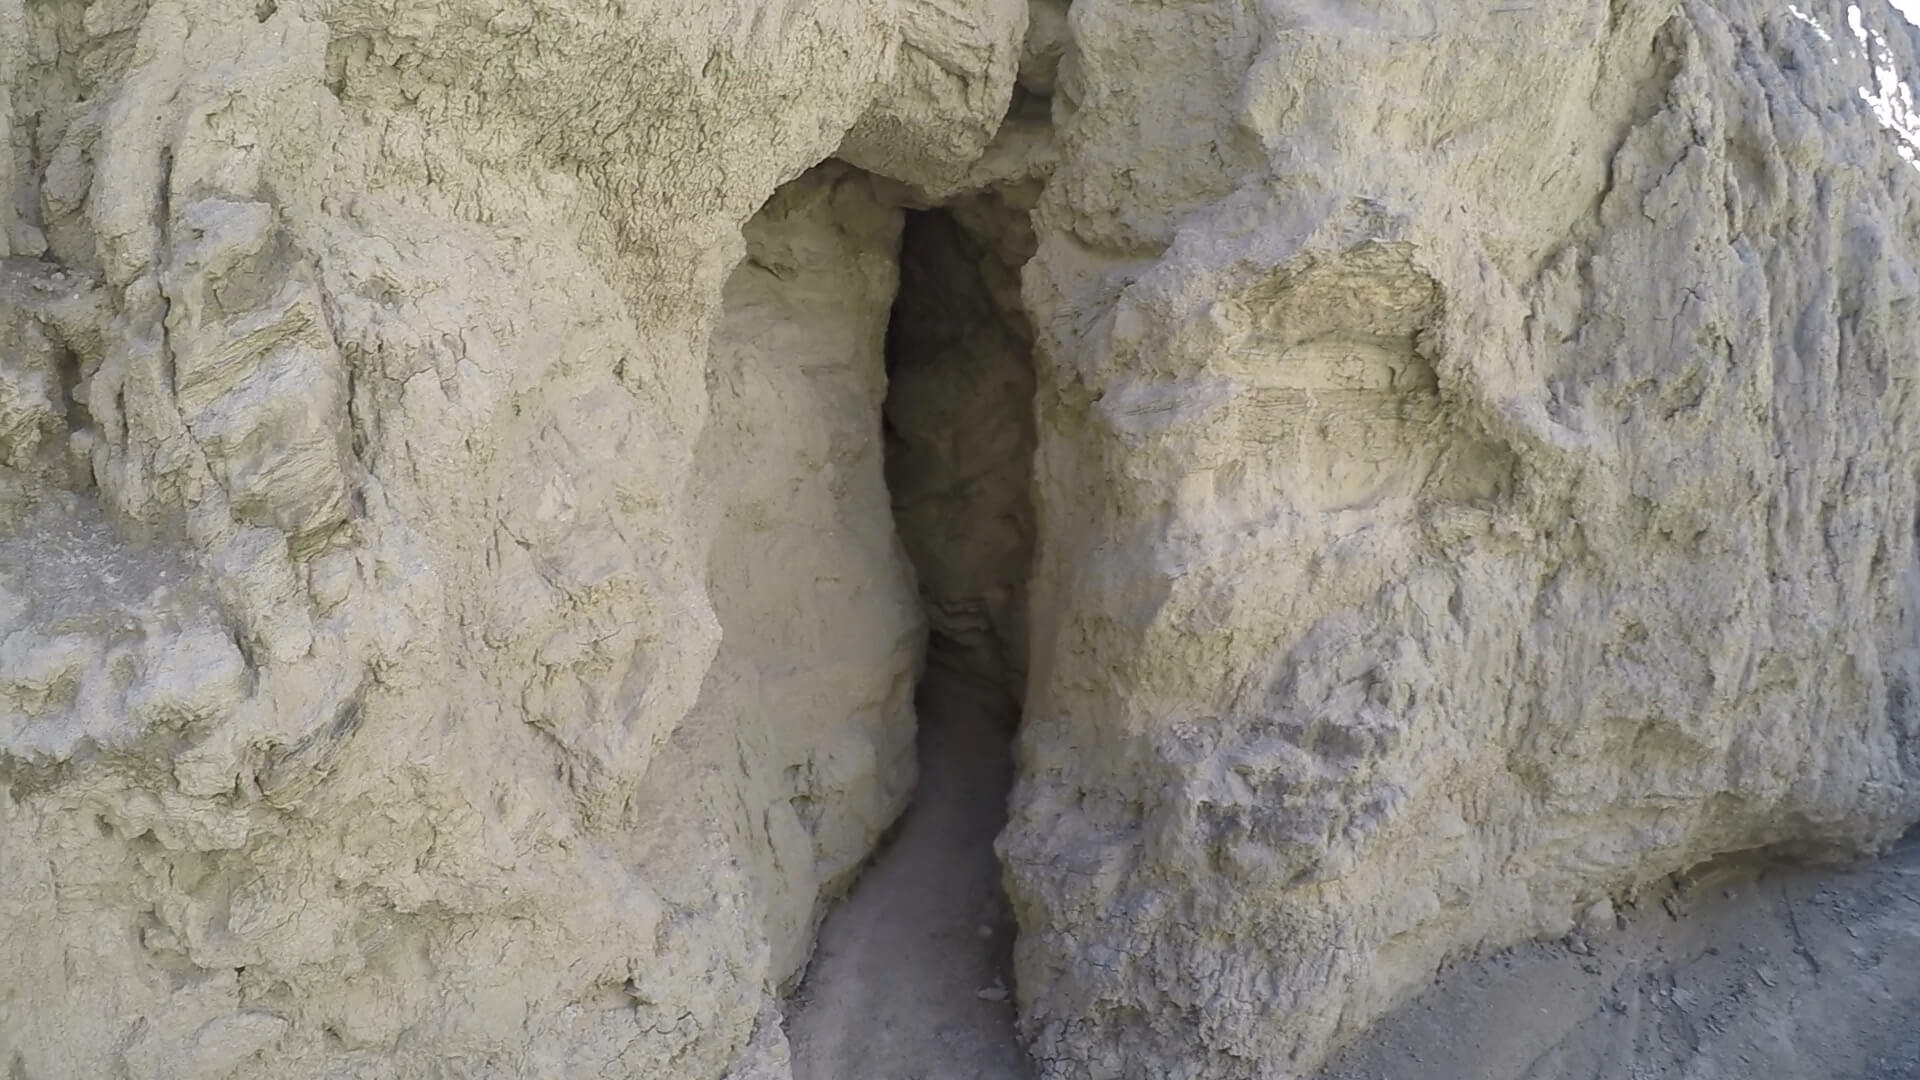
(910, 975)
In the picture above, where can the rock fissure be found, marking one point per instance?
(505, 506)
(911, 973)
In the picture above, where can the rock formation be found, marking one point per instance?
(454, 620)
(1469, 489)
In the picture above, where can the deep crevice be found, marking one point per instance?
(959, 444)
(912, 971)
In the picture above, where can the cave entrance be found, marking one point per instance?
(958, 424)
(911, 974)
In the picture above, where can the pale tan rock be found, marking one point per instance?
(390, 328)
(1465, 495)
(451, 620)
(960, 437)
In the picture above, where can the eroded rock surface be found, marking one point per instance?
(1470, 488)
(408, 667)
(452, 622)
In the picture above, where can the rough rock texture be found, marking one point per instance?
(1475, 478)
(804, 548)
(449, 621)
(960, 433)
(371, 533)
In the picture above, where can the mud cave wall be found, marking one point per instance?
(1465, 491)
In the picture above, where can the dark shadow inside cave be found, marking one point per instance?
(911, 972)
(958, 424)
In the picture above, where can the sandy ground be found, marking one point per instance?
(909, 978)
(1735, 972)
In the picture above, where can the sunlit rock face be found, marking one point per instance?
(451, 621)
(1475, 480)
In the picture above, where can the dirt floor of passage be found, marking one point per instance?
(1742, 973)
(909, 980)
